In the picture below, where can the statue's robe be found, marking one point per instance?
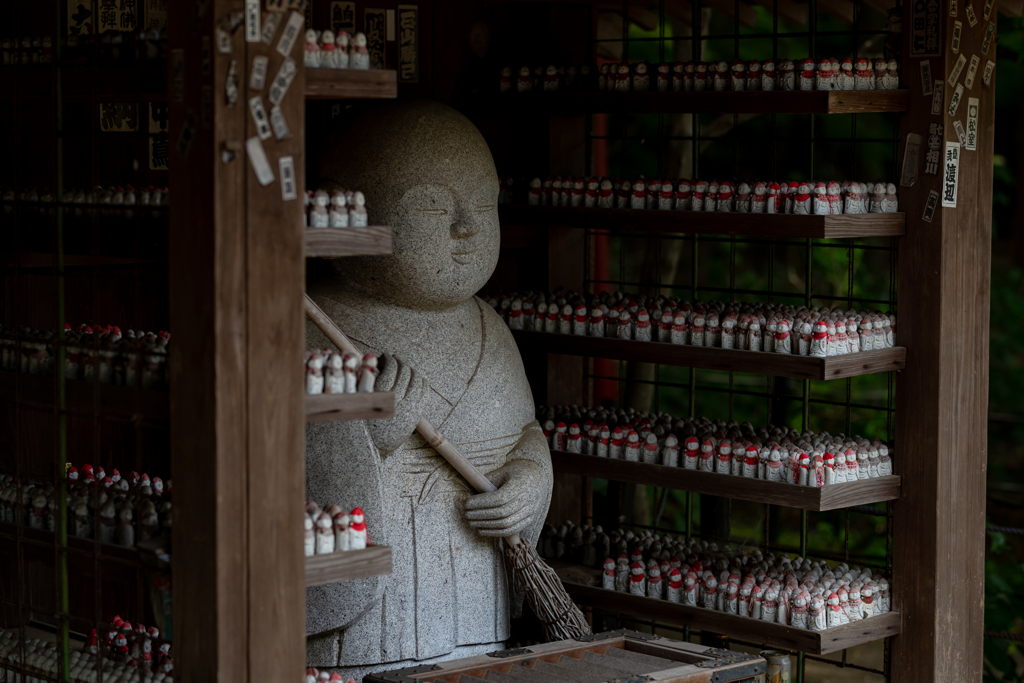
(449, 587)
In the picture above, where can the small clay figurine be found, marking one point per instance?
(324, 534)
(312, 56)
(744, 198)
(357, 216)
(591, 197)
(367, 373)
(314, 374)
(622, 77)
(808, 75)
(309, 536)
(524, 82)
(835, 202)
(653, 192)
(683, 195)
(754, 75)
(342, 47)
(551, 79)
(768, 75)
(721, 79)
(664, 78)
(608, 575)
(881, 71)
(819, 341)
(358, 537)
(825, 77)
(845, 79)
(359, 58)
(338, 216)
(328, 51)
(877, 198)
(505, 80)
(890, 203)
(636, 579)
(655, 587)
(318, 214)
(700, 77)
(787, 75)
(678, 77)
(854, 202)
(891, 79)
(641, 78)
(638, 199)
(863, 76)
(739, 75)
(820, 200)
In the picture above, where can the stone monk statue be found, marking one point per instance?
(427, 172)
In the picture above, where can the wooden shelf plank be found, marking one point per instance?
(368, 241)
(745, 628)
(348, 565)
(351, 84)
(108, 553)
(706, 102)
(702, 222)
(379, 405)
(83, 397)
(728, 486)
(702, 357)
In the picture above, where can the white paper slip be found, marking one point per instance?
(252, 21)
(951, 173)
(961, 62)
(954, 101)
(959, 128)
(972, 18)
(282, 80)
(259, 72)
(933, 155)
(972, 123)
(911, 160)
(286, 167)
(929, 206)
(990, 68)
(270, 25)
(972, 71)
(278, 123)
(958, 30)
(926, 77)
(937, 98)
(990, 31)
(258, 157)
(291, 33)
(259, 115)
(986, 11)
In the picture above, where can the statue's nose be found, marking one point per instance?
(462, 229)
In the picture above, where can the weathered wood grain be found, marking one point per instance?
(518, 216)
(728, 486)
(378, 405)
(727, 102)
(332, 242)
(347, 565)
(756, 362)
(351, 84)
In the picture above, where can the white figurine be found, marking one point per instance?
(359, 56)
(877, 198)
(622, 78)
(678, 77)
(358, 537)
(636, 579)
(768, 75)
(825, 77)
(324, 534)
(329, 53)
(655, 587)
(700, 77)
(341, 522)
(551, 79)
(664, 79)
(318, 214)
(808, 74)
(608, 575)
(787, 75)
(309, 537)
(334, 375)
(721, 77)
(821, 207)
(819, 342)
(739, 75)
(638, 200)
(641, 79)
(890, 203)
(314, 374)
(357, 216)
(863, 77)
(845, 79)
(891, 79)
(350, 362)
(854, 203)
(754, 75)
(367, 374)
(606, 196)
(338, 215)
(312, 56)
(505, 83)
(524, 82)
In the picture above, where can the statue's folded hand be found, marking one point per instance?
(409, 388)
(521, 497)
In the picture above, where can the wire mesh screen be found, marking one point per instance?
(84, 460)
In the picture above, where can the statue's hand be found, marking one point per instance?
(409, 388)
(517, 503)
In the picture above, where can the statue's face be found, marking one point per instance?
(427, 172)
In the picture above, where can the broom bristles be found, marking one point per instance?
(561, 618)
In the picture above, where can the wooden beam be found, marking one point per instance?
(942, 395)
(347, 565)
(704, 222)
(378, 405)
(863, 492)
(368, 241)
(757, 362)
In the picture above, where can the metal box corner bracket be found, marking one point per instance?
(514, 652)
(754, 665)
(401, 675)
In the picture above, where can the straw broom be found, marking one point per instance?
(562, 620)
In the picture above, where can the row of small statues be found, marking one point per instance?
(337, 209)
(796, 592)
(124, 510)
(805, 74)
(127, 656)
(314, 675)
(26, 50)
(797, 197)
(344, 373)
(770, 453)
(772, 328)
(324, 50)
(93, 352)
(115, 195)
(333, 530)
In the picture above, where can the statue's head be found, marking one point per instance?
(427, 172)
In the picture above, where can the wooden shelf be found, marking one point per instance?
(703, 222)
(728, 486)
(48, 261)
(351, 84)
(702, 357)
(347, 565)
(108, 553)
(85, 397)
(369, 241)
(770, 634)
(707, 102)
(379, 405)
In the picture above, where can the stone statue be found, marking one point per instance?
(447, 356)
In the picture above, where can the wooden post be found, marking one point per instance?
(236, 281)
(942, 395)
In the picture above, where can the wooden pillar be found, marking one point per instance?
(236, 271)
(942, 395)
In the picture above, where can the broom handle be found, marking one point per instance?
(428, 431)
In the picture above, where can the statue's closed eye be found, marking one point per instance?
(434, 212)
(484, 208)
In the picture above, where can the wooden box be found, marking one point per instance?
(621, 655)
